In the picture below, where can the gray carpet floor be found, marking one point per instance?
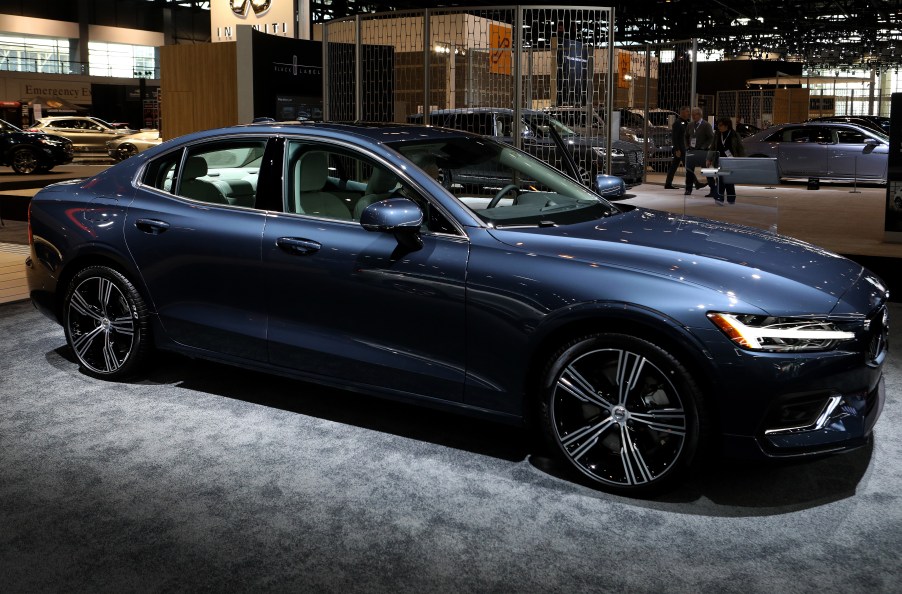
(205, 477)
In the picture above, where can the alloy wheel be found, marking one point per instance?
(24, 161)
(101, 324)
(617, 417)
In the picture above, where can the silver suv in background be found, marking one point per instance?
(87, 133)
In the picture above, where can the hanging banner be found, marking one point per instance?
(500, 55)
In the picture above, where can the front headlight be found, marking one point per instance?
(50, 141)
(601, 152)
(768, 333)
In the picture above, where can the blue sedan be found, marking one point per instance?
(638, 341)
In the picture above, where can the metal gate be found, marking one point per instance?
(500, 71)
(481, 68)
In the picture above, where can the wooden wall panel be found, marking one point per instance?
(198, 85)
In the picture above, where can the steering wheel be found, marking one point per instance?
(494, 202)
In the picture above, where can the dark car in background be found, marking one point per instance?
(588, 123)
(638, 341)
(32, 152)
(589, 154)
(824, 150)
(653, 124)
(876, 123)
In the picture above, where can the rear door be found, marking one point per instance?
(199, 255)
(804, 151)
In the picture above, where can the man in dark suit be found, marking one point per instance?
(699, 137)
(678, 135)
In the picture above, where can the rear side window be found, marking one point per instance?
(220, 172)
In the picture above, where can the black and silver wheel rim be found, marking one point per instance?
(101, 324)
(618, 417)
(125, 151)
(24, 161)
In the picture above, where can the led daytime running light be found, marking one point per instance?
(751, 337)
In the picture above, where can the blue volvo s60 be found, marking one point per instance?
(638, 341)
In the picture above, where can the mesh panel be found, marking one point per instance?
(507, 68)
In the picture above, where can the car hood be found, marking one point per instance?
(778, 274)
(36, 136)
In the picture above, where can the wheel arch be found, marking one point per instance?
(619, 318)
(98, 256)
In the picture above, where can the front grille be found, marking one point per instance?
(635, 157)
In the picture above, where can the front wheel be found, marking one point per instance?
(622, 411)
(106, 323)
(25, 160)
(125, 151)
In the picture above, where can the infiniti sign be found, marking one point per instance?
(240, 7)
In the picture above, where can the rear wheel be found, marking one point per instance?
(106, 323)
(25, 160)
(622, 411)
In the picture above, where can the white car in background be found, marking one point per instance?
(126, 146)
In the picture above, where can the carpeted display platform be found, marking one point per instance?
(205, 477)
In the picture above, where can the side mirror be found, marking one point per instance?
(869, 145)
(395, 215)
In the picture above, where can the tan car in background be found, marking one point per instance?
(87, 133)
(124, 147)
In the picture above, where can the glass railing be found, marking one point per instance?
(14, 64)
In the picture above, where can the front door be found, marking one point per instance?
(352, 304)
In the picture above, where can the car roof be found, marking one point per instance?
(375, 131)
(467, 110)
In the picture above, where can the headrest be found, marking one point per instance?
(381, 182)
(313, 171)
(195, 167)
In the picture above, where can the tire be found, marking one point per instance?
(106, 324)
(24, 160)
(125, 151)
(589, 413)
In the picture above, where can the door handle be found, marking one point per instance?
(152, 226)
(296, 245)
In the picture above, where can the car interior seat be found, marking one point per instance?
(381, 186)
(198, 189)
(311, 174)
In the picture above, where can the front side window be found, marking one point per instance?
(846, 136)
(334, 183)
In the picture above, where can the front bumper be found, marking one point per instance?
(827, 422)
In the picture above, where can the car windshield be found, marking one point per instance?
(539, 125)
(7, 127)
(503, 186)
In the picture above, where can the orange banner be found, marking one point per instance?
(500, 43)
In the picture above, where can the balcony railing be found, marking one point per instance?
(14, 64)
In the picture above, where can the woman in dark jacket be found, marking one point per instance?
(726, 144)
